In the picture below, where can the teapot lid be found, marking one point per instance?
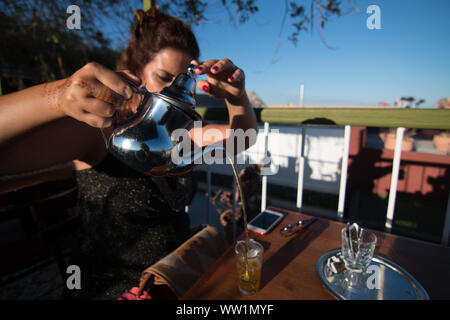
(181, 93)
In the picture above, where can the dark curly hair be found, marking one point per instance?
(153, 31)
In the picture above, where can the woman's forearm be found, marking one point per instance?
(242, 117)
(241, 114)
(27, 109)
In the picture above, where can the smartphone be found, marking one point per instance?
(265, 221)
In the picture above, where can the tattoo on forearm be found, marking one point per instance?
(53, 91)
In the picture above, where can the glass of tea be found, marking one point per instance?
(249, 263)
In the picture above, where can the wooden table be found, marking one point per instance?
(288, 270)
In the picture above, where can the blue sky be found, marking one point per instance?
(409, 56)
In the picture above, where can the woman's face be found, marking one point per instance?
(158, 74)
(163, 68)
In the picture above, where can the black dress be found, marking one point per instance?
(129, 222)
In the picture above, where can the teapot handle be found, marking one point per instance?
(141, 91)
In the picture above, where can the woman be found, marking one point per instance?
(130, 220)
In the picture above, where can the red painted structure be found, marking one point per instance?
(427, 175)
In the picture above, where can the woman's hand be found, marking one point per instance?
(224, 79)
(91, 95)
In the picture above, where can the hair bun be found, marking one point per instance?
(152, 12)
(152, 31)
(139, 15)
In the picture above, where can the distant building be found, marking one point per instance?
(255, 100)
(444, 103)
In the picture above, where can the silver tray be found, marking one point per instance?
(393, 282)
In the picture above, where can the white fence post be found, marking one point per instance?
(394, 178)
(264, 177)
(344, 167)
(301, 168)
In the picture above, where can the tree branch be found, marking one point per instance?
(283, 21)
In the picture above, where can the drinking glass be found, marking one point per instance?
(249, 270)
(357, 253)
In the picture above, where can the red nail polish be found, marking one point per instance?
(205, 88)
(215, 68)
(199, 68)
(230, 78)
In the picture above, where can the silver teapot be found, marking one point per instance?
(145, 141)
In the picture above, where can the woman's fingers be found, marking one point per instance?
(99, 108)
(219, 89)
(94, 112)
(237, 76)
(91, 119)
(224, 66)
(206, 87)
(195, 62)
(92, 103)
(95, 121)
(93, 94)
(224, 79)
(126, 74)
(110, 79)
(100, 91)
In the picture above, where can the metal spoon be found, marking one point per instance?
(353, 238)
(294, 227)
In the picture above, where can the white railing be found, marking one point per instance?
(301, 157)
